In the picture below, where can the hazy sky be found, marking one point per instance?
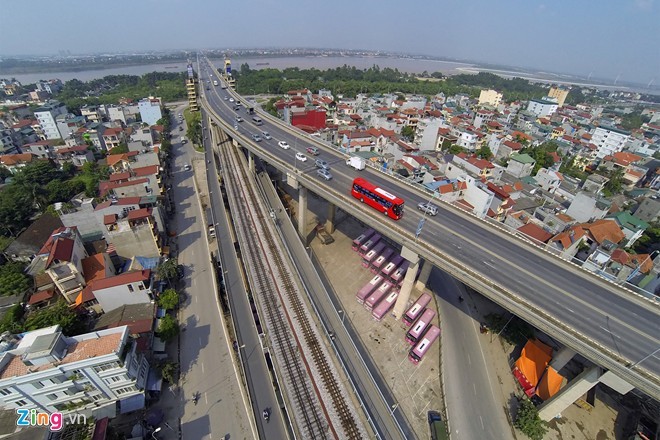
(606, 37)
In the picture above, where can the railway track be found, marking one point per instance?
(321, 409)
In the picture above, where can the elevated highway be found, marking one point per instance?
(610, 326)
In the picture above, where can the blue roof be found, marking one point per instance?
(148, 263)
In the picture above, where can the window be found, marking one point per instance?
(141, 286)
(21, 403)
(5, 392)
(130, 288)
(51, 396)
(108, 366)
(97, 397)
(125, 390)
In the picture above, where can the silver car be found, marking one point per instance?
(324, 173)
(266, 135)
(428, 208)
(256, 138)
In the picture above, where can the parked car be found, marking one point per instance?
(428, 208)
(320, 163)
(186, 167)
(324, 173)
(313, 151)
(283, 144)
(266, 135)
(256, 138)
(301, 157)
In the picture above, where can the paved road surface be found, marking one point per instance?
(206, 362)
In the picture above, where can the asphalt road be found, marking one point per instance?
(259, 380)
(206, 361)
(624, 324)
(474, 410)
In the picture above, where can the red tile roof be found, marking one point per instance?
(61, 250)
(535, 232)
(123, 279)
(139, 213)
(93, 268)
(38, 297)
(118, 177)
(604, 229)
(146, 171)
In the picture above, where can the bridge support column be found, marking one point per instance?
(330, 223)
(570, 393)
(407, 286)
(251, 162)
(302, 210)
(423, 277)
(561, 358)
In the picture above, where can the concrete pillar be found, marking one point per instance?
(561, 358)
(569, 394)
(302, 210)
(404, 295)
(251, 162)
(424, 275)
(330, 222)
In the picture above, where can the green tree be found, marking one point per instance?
(649, 241)
(169, 299)
(541, 154)
(59, 313)
(167, 270)
(455, 149)
(529, 422)
(12, 321)
(484, 152)
(615, 184)
(168, 329)
(119, 149)
(408, 133)
(169, 371)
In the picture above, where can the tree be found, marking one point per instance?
(484, 152)
(408, 132)
(119, 149)
(168, 329)
(59, 313)
(169, 371)
(169, 299)
(615, 184)
(529, 422)
(168, 269)
(12, 321)
(650, 240)
(455, 149)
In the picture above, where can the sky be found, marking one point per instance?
(607, 38)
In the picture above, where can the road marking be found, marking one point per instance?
(202, 362)
(469, 360)
(608, 331)
(195, 299)
(474, 388)
(482, 423)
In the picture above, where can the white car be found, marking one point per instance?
(283, 144)
(231, 99)
(301, 157)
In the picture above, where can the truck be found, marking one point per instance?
(437, 426)
(356, 162)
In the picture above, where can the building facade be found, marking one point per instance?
(150, 110)
(47, 115)
(609, 140)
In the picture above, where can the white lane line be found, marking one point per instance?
(603, 328)
(202, 365)
(195, 299)
(469, 360)
(482, 423)
(474, 388)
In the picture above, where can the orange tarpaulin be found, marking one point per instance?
(533, 360)
(533, 372)
(550, 384)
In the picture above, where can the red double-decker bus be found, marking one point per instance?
(377, 198)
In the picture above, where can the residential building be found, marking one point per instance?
(68, 124)
(542, 107)
(128, 288)
(39, 149)
(520, 165)
(78, 155)
(595, 183)
(191, 88)
(549, 180)
(30, 241)
(559, 94)
(608, 140)
(61, 258)
(14, 162)
(93, 373)
(47, 114)
(649, 209)
(112, 137)
(136, 234)
(586, 207)
(568, 242)
(490, 97)
(150, 110)
(117, 113)
(50, 86)
(91, 113)
(632, 227)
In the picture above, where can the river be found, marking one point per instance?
(408, 65)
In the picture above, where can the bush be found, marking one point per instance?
(529, 422)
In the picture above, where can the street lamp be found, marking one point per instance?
(420, 226)
(153, 434)
(645, 358)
